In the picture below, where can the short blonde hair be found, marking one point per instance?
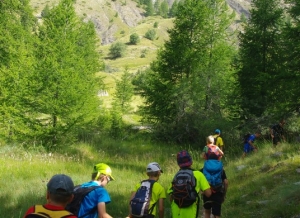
(210, 139)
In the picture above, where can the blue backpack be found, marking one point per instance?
(212, 170)
(140, 203)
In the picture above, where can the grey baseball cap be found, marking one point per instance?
(153, 167)
(60, 184)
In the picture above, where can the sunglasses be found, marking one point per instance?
(108, 179)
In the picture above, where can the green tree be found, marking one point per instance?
(260, 57)
(164, 9)
(124, 92)
(149, 8)
(117, 50)
(192, 75)
(156, 7)
(173, 9)
(16, 65)
(288, 80)
(134, 39)
(65, 87)
(150, 34)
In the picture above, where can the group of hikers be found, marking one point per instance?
(147, 198)
(276, 134)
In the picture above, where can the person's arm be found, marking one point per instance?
(131, 197)
(221, 152)
(102, 211)
(205, 149)
(30, 210)
(207, 192)
(161, 210)
(252, 144)
(271, 132)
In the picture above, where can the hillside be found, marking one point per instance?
(264, 184)
(112, 17)
(116, 21)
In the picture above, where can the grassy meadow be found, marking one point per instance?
(265, 184)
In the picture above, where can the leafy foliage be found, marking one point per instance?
(190, 78)
(134, 39)
(150, 34)
(261, 57)
(117, 50)
(16, 66)
(63, 94)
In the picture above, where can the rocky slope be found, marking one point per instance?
(111, 17)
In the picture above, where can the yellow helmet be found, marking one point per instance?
(102, 168)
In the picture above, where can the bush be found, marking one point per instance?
(117, 50)
(155, 25)
(150, 34)
(134, 39)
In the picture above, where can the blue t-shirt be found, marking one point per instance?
(247, 147)
(92, 199)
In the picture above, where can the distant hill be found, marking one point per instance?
(112, 17)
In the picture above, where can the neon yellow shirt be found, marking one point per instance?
(158, 192)
(191, 211)
(219, 141)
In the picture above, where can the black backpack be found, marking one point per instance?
(79, 194)
(183, 186)
(215, 140)
(140, 203)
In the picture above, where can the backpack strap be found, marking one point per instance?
(92, 188)
(215, 140)
(151, 188)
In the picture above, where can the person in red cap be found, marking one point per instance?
(181, 206)
(59, 194)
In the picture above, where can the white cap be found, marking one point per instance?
(153, 167)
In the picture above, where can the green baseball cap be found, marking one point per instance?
(102, 168)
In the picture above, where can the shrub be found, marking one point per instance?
(134, 39)
(117, 50)
(150, 34)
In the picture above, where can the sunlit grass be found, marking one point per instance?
(265, 187)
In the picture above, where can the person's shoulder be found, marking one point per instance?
(198, 173)
(30, 210)
(157, 184)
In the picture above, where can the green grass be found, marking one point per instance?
(266, 187)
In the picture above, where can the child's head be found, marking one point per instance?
(60, 189)
(101, 172)
(258, 133)
(184, 159)
(217, 131)
(210, 139)
(153, 170)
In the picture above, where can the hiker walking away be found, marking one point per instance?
(185, 188)
(218, 140)
(277, 132)
(148, 195)
(94, 203)
(59, 194)
(249, 143)
(215, 174)
(211, 149)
